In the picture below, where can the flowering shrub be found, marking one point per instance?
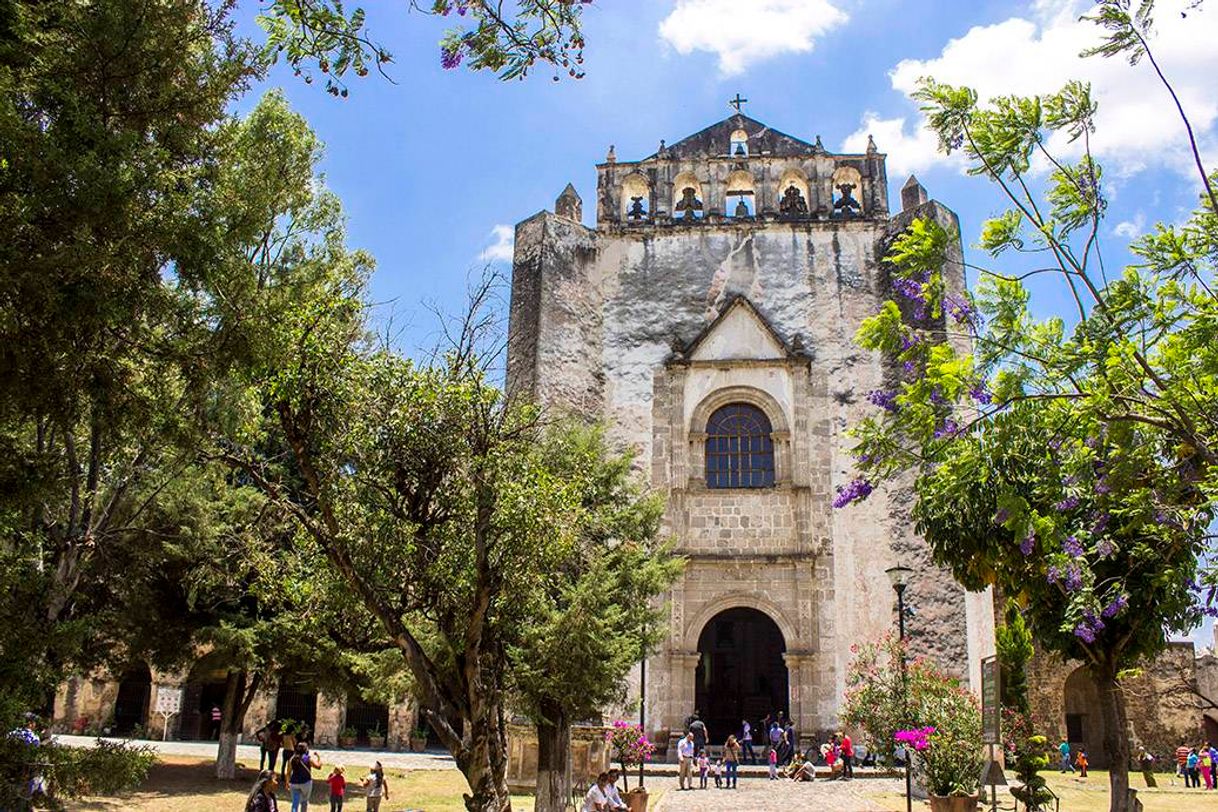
(919, 707)
(630, 744)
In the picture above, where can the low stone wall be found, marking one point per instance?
(589, 756)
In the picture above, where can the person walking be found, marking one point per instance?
(1146, 762)
(685, 762)
(847, 750)
(288, 741)
(300, 776)
(216, 716)
(1192, 776)
(377, 788)
(338, 789)
(1081, 762)
(262, 796)
(703, 768)
(773, 757)
(270, 740)
(731, 761)
(1181, 764)
(1205, 763)
(746, 741)
(1064, 749)
(698, 728)
(792, 740)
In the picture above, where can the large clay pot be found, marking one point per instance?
(953, 803)
(636, 800)
(418, 744)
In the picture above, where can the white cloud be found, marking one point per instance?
(500, 250)
(1137, 125)
(742, 32)
(910, 146)
(1129, 229)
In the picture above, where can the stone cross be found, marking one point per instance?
(738, 103)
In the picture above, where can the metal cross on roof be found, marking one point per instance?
(738, 103)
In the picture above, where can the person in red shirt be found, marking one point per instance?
(338, 789)
(847, 748)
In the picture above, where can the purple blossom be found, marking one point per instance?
(1105, 549)
(450, 57)
(1074, 577)
(910, 367)
(910, 340)
(1085, 633)
(1001, 516)
(908, 288)
(919, 312)
(948, 429)
(982, 395)
(1117, 605)
(958, 309)
(1069, 503)
(857, 490)
(1055, 443)
(1028, 544)
(1053, 575)
(1101, 523)
(885, 400)
(936, 397)
(1102, 486)
(1072, 547)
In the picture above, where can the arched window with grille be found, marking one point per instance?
(739, 448)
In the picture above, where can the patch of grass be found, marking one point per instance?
(184, 784)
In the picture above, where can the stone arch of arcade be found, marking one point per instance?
(741, 670)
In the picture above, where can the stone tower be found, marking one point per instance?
(707, 318)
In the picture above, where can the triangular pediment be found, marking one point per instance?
(763, 139)
(740, 332)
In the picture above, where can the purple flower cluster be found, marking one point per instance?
(1074, 577)
(1001, 516)
(1101, 523)
(910, 367)
(1102, 486)
(1105, 549)
(908, 288)
(1116, 606)
(1090, 626)
(1054, 574)
(909, 341)
(936, 397)
(958, 309)
(1072, 547)
(856, 491)
(1069, 503)
(917, 738)
(982, 395)
(451, 56)
(885, 400)
(1028, 544)
(1085, 633)
(948, 429)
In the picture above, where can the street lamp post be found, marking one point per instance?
(899, 576)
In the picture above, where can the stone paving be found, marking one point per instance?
(763, 795)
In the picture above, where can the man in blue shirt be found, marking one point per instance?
(1064, 749)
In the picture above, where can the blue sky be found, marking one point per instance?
(429, 166)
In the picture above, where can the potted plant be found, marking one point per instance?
(630, 747)
(948, 759)
(418, 737)
(376, 738)
(347, 737)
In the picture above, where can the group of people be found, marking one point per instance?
(603, 795)
(781, 752)
(1196, 765)
(298, 768)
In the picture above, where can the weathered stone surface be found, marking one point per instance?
(651, 325)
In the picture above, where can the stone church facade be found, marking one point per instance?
(707, 318)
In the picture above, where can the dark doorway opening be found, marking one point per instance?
(298, 703)
(131, 704)
(1084, 722)
(741, 673)
(367, 718)
(203, 694)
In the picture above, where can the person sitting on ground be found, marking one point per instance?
(803, 770)
(376, 787)
(594, 799)
(262, 796)
(612, 796)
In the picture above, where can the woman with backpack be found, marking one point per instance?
(377, 787)
(300, 776)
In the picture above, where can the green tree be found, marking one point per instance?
(594, 615)
(108, 117)
(323, 37)
(1070, 467)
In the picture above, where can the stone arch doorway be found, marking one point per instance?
(1084, 722)
(131, 703)
(741, 673)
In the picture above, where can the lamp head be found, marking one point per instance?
(899, 576)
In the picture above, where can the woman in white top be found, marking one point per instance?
(377, 787)
(595, 800)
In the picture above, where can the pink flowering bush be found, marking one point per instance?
(630, 744)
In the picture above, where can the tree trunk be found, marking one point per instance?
(1116, 735)
(232, 716)
(482, 764)
(553, 759)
